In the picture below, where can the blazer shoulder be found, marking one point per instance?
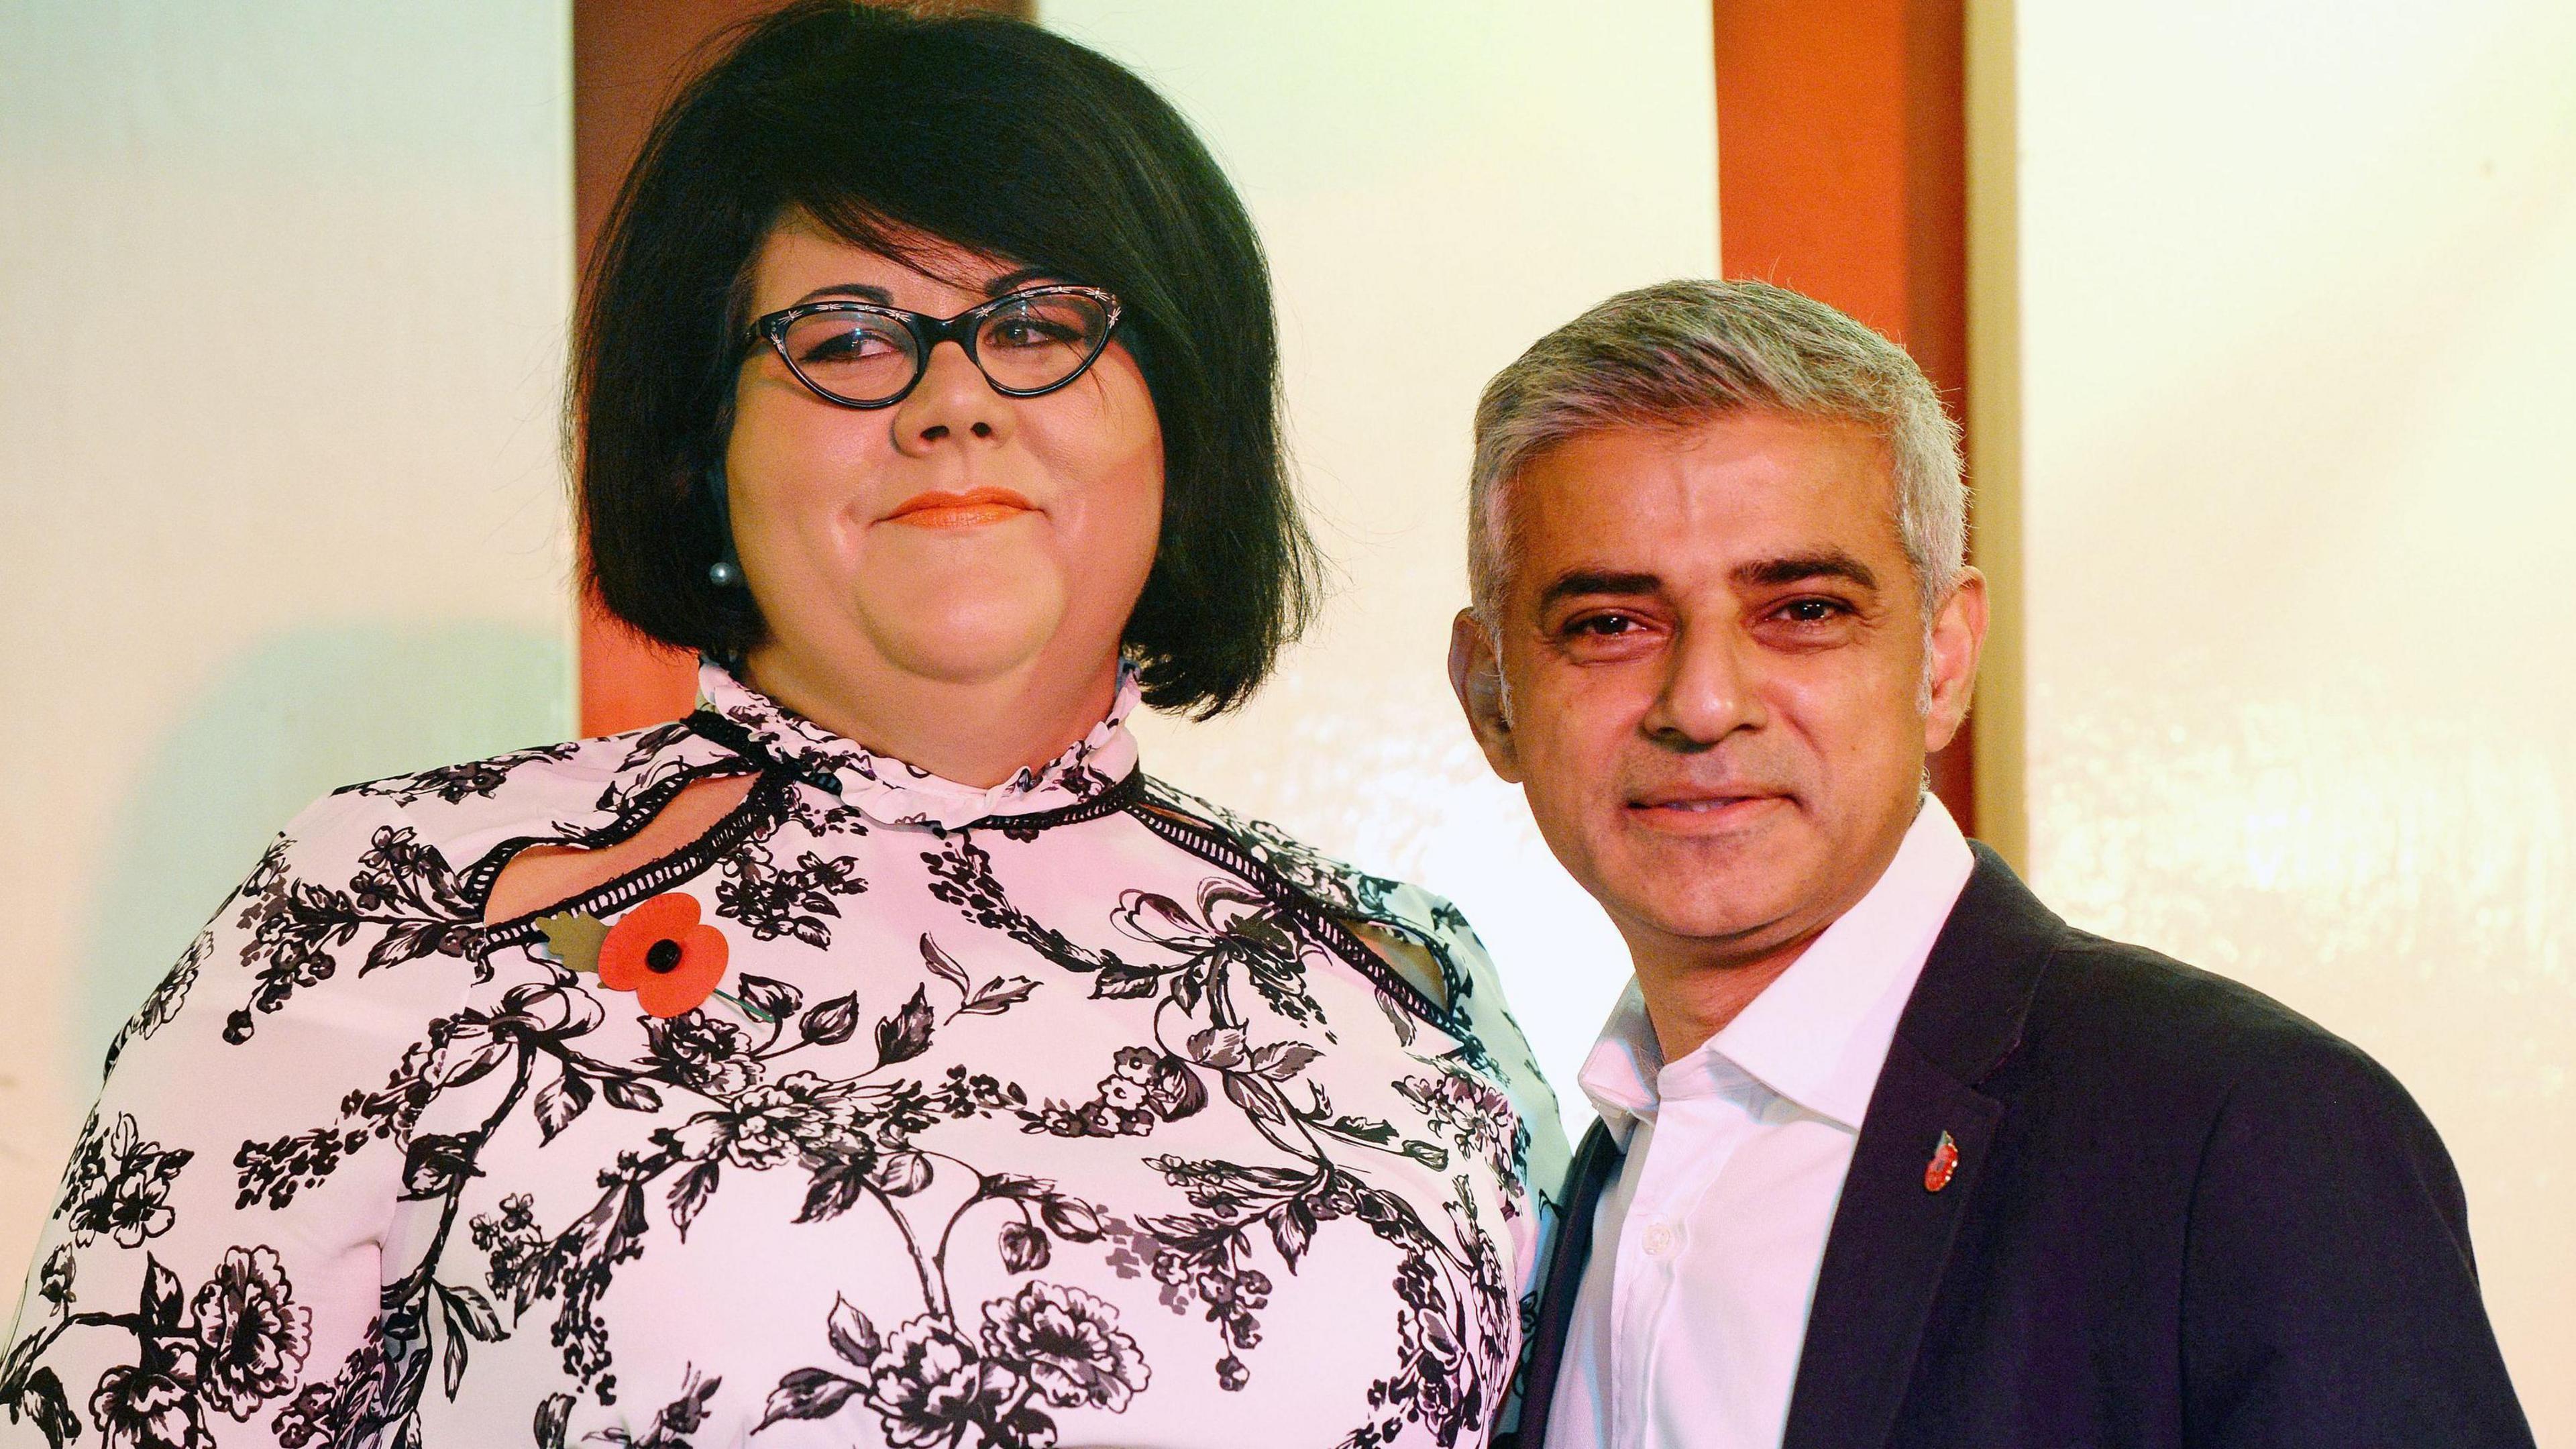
(2148, 989)
(2162, 1023)
(2014, 996)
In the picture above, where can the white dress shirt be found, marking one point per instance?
(1693, 1309)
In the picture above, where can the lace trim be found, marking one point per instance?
(761, 809)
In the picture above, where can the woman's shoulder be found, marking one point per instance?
(398, 869)
(1342, 888)
(604, 774)
(1402, 910)
(395, 872)
(1410, 915)
(569, 792)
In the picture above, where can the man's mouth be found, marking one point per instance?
(1699, 811)
(959, 510)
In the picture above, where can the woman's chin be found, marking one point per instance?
(948, 661)
(958, 619)
(993, 639)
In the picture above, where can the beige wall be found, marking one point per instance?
(282, 291)
(2295, 307)
(1438, 184)
(2270, 360)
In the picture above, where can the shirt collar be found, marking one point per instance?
(1819, 1034)
(1619, 1076)
(890, 792)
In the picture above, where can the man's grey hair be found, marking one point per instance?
(1681, 353)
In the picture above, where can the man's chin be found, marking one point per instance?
(1728, 891)
(1724, 931)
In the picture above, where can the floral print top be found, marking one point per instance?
(888, 1112)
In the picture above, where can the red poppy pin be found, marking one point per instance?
(1945, 1162)
(664, 954)
(660, 950)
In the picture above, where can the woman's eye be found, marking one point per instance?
(846, 346)
(1027, 332)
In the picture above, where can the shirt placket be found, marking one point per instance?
(1684, 1148)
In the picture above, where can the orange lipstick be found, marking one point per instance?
(969, 509)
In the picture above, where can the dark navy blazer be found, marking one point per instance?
(2182, 1217)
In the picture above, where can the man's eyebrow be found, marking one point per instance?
(1582, 583)
(1832, 563)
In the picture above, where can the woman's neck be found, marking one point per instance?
(977, 732)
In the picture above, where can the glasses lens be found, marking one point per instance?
(1038, 341)
(855, 356)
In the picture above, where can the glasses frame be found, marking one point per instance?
(927, 333)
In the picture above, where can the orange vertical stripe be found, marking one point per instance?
(627, 56)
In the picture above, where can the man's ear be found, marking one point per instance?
(1958, 635)
(1476, 676)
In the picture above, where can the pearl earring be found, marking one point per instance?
(724, 573)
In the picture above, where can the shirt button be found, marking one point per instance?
(1658, 1239)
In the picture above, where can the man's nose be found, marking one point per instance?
(952, 401)
(1708, 690)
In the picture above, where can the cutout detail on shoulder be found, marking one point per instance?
(544, 875)
(1408, 957)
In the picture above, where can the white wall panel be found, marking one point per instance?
(2297, 296)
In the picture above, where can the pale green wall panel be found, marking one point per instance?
(282, 296)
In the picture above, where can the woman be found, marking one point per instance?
(875, 1056)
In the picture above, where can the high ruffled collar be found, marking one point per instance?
(890, 792)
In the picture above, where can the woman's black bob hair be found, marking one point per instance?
(992, 135)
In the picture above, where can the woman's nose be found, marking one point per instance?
(953, 401)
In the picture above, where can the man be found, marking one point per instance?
(1888, 1153)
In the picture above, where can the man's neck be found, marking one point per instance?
(1695, 986)
(1691, 997)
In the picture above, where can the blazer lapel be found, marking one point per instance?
(1895, 1223)
(1595, 1163)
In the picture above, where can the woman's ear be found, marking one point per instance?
(1476, 677)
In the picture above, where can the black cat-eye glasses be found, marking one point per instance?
(864, 355)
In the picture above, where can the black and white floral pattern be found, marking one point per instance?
(1071, 1111)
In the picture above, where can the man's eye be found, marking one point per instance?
(1602, 626)
(1812, 611)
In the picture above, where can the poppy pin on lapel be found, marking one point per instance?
(1945, 1161)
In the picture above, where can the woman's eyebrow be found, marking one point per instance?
(1000, 286)
(860, 290)
(1010, 282)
